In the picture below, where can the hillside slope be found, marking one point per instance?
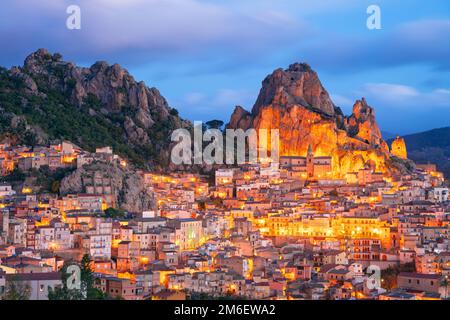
(48, 98)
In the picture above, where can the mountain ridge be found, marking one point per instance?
(48, 98)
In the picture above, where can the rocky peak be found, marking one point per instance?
(361, 110)
(39, 56)
(111, 84)
(294, 102)
(297, 85)
(299, 67)
(240, 118)
(398, 148)
(37, 62)
(362, 124)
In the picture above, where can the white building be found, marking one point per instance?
(439, 194)
(98, 246)
(38, 283)
(6, 190)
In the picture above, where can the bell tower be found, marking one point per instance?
(310, 162)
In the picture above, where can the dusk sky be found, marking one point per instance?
(206, 56)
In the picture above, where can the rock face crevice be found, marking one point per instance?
(295, 102)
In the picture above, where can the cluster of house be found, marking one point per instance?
(260, 231)
(55, 156)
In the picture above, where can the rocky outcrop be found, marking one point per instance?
(111, 84)
(298, 85)
(135, 134)
(127, 187)
(90, 106)
(295, 102)
(362, 124)
(240, 118)
(398, 148)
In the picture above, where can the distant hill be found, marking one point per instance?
(388, 135)
(430, 146)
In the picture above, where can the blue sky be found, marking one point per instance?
(206, 56)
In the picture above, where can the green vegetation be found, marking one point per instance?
(389, 275)
(14, 176)
(49, 180)
(214, 124)
(17, 290)
(115, 213)
(50, 115)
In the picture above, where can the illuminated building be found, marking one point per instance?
(188, 232)
(6, 190)
(224, 176)
(341, 228)
(309, 167)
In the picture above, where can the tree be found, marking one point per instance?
(55, 186)
(17, 290)
(201, 205)
(15, 175)
(334, 193)
(389, 275)
(214, 124)
(115, 213)
(87, 290)
(64, 293)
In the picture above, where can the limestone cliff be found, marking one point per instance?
(398, 148)
(295, 102)
(127, 187)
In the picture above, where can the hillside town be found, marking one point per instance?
(290, 230)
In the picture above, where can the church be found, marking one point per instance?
(309, 167)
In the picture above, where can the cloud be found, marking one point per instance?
(220, 103)
(194, 98)
(341, 101)
(390, 92)
(401, 108)
(230, 97)
(417, 42)
(141, 30)
(401, 96)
